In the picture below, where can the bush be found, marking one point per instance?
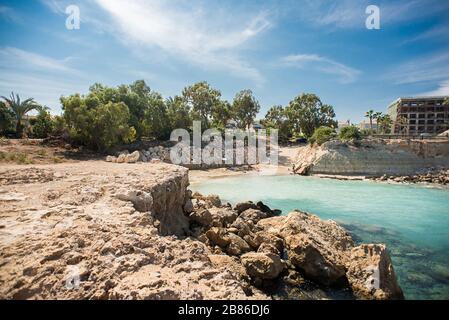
(43, 125)
(96, 124)
(322, 135)
(6, 119)
(349, 133)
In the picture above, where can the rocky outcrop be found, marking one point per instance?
(371, 274)
(432, 175)
(95, 230)
(277, 247)
(372, 157)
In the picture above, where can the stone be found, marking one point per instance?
(371, 273)
(268, 248)
(222, 216)
(254, 215)
(188, 206)
(201, 216)
(218, 236)
(142, 201)
(209, 201)
(237, 245)
(133, 157)
(262, 237)
(242, 206)
(111, 159)
(121, 158)
(262, 265)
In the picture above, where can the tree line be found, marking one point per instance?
(107, 116)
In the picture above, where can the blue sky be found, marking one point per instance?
(278, 49)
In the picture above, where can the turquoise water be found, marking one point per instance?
(412, 220)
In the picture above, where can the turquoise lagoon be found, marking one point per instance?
(412, 220)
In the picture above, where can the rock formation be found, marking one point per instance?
(372, 157)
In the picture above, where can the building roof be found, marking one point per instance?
(419, 98)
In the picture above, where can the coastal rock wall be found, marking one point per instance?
(372, 157)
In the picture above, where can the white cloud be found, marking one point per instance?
(13, 57)
(8, 14)
(442, 90)
(208, 37)
(345, 73)
(434, 67)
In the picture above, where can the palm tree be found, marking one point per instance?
(20, 109)
(384, 122)
(446, 101)
(370, 115)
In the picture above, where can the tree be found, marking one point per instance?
(322, 135)
(6, 119)
(384, 123)
(96, 124)
(245, 108)
(306, 112)
(349, 133)
(371, 114)
(156, 121)
(43, 125)
(276, 118)
(201, 99)
(20, 109)
(178, 113)
(221, 114)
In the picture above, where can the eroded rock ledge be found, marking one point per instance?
(105, 231)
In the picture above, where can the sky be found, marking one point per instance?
(277, 48)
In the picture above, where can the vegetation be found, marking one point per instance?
(349, 133)
(107, 116)
(43, 125)
(446, 101)
(245, 108)
(6, 119)
(322, 135)
(306, 113)
(277, 118)
(20, 109)
(384, 123)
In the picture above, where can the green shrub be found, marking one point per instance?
(322, 135)
(349, 133)
(43, 125)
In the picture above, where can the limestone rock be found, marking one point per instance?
(201, 216)
(223, 216)
(242, 206)
(262, 265)
(111, 159)
(371, 273)
(133, 157)
(141, 200)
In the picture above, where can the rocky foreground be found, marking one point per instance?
(97, 230)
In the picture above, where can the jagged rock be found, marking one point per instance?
(242, 206)
(133, 157)
(268, 248)
(209, 201)
(141, 200)
(371, 273)
(218, 236)
(262, 265)
(237, 245)
(262, 237)
(223, 216)
(228, 263)
(201, 216)
(111, 159)
(188, 206)
(232, 243)
(254, 215)
(244, 227)
(316, 247)
(121, 158)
